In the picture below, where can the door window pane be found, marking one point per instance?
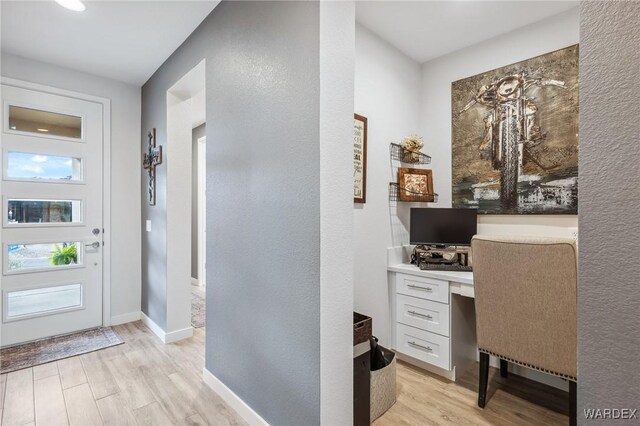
(43, 211)
(23, 303)
(44, 122)
(24, 165)
(43, 256)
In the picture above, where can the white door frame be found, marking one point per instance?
(202, 211)
(106, 180)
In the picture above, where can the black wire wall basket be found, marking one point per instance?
(398, 153)
(399, 193)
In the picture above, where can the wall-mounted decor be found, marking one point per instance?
(359, 159)
(515, 137)
(150, 160)
(415, 185)
(412, 145)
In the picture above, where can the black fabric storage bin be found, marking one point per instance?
(361, 369)
(362, 389)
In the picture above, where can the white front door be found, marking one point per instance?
(52, 227)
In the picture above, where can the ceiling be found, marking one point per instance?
(122, 40)
(424, 30)
(129, 40)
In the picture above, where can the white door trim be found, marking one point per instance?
(106, 181)
(202, 211)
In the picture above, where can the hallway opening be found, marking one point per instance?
(186, 162)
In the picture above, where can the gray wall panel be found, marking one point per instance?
(263, 210)
(609, 218)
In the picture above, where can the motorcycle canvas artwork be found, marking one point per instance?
(515, 137)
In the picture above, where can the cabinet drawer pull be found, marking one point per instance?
(418, 314)
(429, 289)
(426, 348)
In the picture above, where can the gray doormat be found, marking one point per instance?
(198, 310)
(55, 348)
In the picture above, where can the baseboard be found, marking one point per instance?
(449, 375)
(232, 399)
(172, 336)
(125, 318)
(157, 330)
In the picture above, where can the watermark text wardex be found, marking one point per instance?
(610, 413)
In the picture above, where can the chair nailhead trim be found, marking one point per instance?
(524, 364)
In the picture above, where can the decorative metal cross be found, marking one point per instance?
(151, 159)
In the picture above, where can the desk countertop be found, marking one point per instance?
(453, 276)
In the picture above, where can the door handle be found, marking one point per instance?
(425, 348)
(429, 289)
(95, 245)
(418, 314)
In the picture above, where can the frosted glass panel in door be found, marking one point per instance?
(44, 122)
(44, 300)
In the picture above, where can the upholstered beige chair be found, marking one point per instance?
(525, 298)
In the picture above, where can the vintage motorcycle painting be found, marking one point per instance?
(515, 137)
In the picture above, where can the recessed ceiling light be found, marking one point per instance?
(75, 5)
(43, 130)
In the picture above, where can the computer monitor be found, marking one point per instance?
(436, 226)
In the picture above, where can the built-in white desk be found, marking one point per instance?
(433, 320)
(432, 315)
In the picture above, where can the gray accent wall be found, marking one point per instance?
(263, 208)
(609, 214)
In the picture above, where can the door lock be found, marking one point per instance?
(95, 231)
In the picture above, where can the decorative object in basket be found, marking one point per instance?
(416, 185)
(398, 153)
(412, 145)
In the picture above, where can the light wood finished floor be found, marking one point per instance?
(426, 399)
(142, 382)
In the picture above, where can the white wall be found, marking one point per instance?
(387, 92)
(437, 75)
(125, 169)
(178, 188)
(337, 36)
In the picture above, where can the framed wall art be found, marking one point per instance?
(515, 137)
(359, 159)
(415, 185)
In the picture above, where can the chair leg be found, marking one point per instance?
(504, 368)
(573, 403)
(483, 373)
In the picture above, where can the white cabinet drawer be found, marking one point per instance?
(422, 345)
(425, 288)
(423, 314)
